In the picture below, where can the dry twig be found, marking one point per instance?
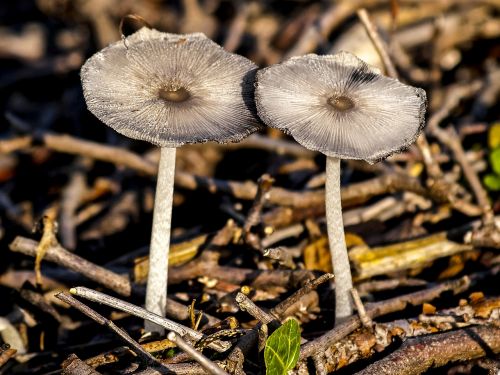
(420, 354)
(61, 256)
(98, 318)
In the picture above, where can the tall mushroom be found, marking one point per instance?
(169, 90)
(340, 106)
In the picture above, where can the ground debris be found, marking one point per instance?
(249, 241)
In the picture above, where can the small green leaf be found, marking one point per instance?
(492, 182)
(282, 349)
(495, 160)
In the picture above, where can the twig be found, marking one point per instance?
(377, 41)
(71, 198)
(235, 359)
(381, 308)
(279, 146)
(115, 155)
(63, 257)
(450, 138)
(253, 218)
(95, 296)
(204, 362)
(206, 264)
(38, 300)
(123, 210)
(452, 98)
(365, 319)
(380, 285)
(432, 166)
(75, 366)
(364, 343)
(329, 20)
(237, 27)
(203, 265)
(386, 208)
(5, 355)
(414, 253)
(98, 318)
(118, 156)
(179, 369)
(420, 354)
(358, 193)
(282, 255)
(10, 145)
(306, 200)
(264, 185)
(454, 95)
(280, 309)
(282, 234)
(246, 304)
(486, 236)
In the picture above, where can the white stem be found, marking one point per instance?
(156, 290)
(338, 250)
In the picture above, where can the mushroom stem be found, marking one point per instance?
(156, 290)
(338, 250)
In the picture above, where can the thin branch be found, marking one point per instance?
(99, 319)
(95, 296)
(63, 257)
(378, 42)
(365, 319)
(280, 309)
(420, 354)
(204, 362)
(330, 18)
(363, 343)
(246, 304)
(306, 200)
(75, 366)
(5, 355)
(381, 308)
(10, 145)
(70, 200)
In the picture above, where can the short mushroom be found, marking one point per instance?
(169, 90)
(340, 106)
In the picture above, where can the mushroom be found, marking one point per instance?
(342, 107)
(169, 90)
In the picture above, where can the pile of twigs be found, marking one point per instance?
(249, 239)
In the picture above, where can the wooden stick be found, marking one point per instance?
(63, 257)
(418, 355)
(246, 304)
(204, 362)
(380, 308)
(378, 42)
(98, 318)
(95, 296)
(75, 366)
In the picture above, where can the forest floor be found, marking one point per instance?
(249, 243)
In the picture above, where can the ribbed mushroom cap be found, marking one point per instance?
(171, 89)
(340, 106)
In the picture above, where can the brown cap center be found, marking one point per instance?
(341, 103)
(174, 95)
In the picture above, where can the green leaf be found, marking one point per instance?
(495, 160)
(282, 349)
(492, 182)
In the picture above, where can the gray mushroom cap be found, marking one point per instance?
(340, 106)
(171, 89)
